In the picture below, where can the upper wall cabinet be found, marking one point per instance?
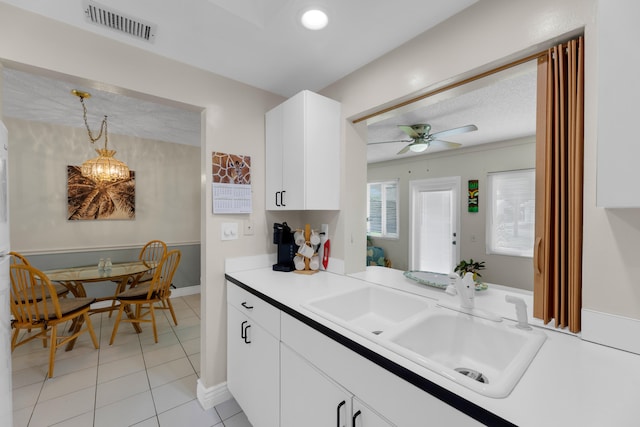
(618, 94)
(303, 154)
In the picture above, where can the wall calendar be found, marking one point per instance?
(231, 183)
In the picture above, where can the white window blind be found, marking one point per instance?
(511, 215)
(382, 209)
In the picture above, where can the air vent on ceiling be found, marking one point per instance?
(118, 21)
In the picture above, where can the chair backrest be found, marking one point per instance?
(154, 250)
(17, 258)
(33, 297)
(163, 276)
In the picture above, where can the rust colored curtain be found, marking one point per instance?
(559, 177)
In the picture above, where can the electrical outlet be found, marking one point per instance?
(248, 228)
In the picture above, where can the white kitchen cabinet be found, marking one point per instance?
(311, 399)
(393, 398)
(303, 154)
(285, 373)
(618, 92)
(253, 356)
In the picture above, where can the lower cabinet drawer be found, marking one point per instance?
(255, 308)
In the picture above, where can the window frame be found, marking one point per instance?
(384, 234)
(491, 249)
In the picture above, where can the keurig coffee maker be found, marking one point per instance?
(283, 237)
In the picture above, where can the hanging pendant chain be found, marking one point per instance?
(103, 126)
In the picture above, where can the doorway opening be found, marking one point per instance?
(433, 224)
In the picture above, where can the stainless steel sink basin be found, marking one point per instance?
(370, 311)
(486, 356)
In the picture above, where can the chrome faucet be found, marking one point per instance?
(465, 288)
(521, 311)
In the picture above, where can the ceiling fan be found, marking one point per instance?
(421, 139)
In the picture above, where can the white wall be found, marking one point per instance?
(469, 163)
(167, 190)
(489, 33)
(228, 106)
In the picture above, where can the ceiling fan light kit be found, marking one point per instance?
(421, 139)
(418, 148)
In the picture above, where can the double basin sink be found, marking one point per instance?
(483, 355)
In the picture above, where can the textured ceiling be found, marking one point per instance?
(502, 106)
(32, 97)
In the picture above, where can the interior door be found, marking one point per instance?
(434, 224)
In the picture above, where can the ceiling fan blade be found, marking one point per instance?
(405, 149)
(386, 142)
(454, 131)
(441, 143)
(409, 130)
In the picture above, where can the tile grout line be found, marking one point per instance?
(102, 322)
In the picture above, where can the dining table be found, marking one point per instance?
(122, 273)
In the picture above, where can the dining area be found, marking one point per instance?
(138, 379)
(53, 306)
(135, 381)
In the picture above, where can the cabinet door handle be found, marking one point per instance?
(242, 331)
(353, 419)
(248, 307)
(340, 405)
(282, 198)
(277, 204)
(246, 335)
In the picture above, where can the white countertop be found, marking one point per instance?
(570, 382)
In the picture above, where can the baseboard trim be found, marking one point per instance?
(175, 293)
(611, 330)
(212, 396)
(185, 290)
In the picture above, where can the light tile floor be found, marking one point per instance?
(134, 382)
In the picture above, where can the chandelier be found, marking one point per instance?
(104, 167)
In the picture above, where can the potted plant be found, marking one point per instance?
(470, 266)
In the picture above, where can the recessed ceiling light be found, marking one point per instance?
(314, 19)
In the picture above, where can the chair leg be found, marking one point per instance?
(52, 350)
(153, 322)
(117, 324)
(44, 339)
(14, 338)
(89, 326)
(120, 287)
(173, 314)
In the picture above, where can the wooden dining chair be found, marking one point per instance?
(153, 251)
(17, 258)
(36, 306)
(145, 296)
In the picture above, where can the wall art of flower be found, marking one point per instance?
(91, 200)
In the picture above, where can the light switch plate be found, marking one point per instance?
(229, 231)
